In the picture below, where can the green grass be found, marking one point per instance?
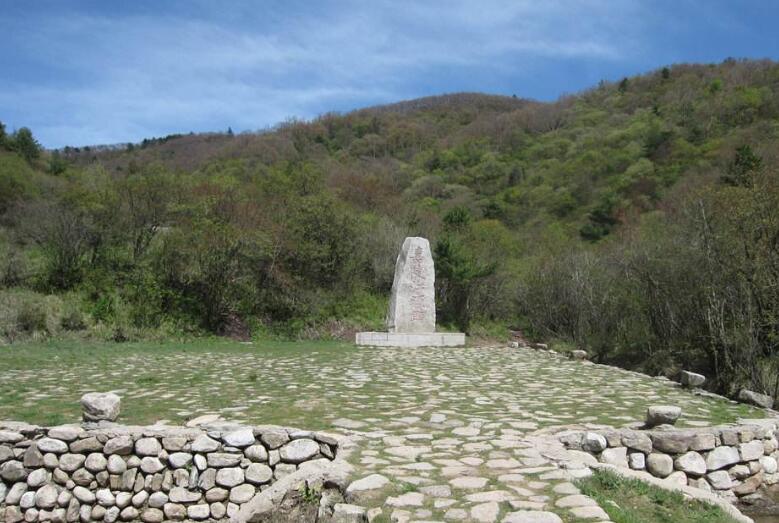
(309, 384)
(634, 501)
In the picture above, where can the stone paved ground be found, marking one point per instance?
(450, 429)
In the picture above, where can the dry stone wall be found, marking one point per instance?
(113, 473)
(733, 461)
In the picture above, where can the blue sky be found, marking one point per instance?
(92, 72)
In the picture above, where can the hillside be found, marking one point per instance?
(637, 220)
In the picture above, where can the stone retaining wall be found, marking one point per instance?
(110, 472)
(733, 461)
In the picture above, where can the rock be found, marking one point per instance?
(129, 514)
(152, 515)
(218, 510)
(662, 415)
(175, 511)
(299, 450)
(364, 487)
(182, 495)
(216, 494)
(54, 446)
(593, 442)
(111, 515)
(179, 460)
(66, 433)
(579, 354)
(38, 477)
(200, 462)
(148, 447)
(485, 512)
(13, 471)
(86, 445)
(721, 457)
(637, 461)
(123, 499)
(46, 497)
(532, 516)
(15, 493)
(720, 480)
(412, 302)
(672, 442)
(769, 464)
(81, 477)
(33, 458)
(703, 441)
(749, 485)
(691, 379)
(615, 456)
(121, 445)
(140, 499)
(151, 465)
(258, 473)
(739, 471)
(71, 462)
(105, 497)
(84, 495)
(755, 398)
(28, 500)
(660, 465)
(241, 493)
(229, 477)
(275, 438)
(116, 465)
(223, 459)
(637, 441)
(204, 444)
(409, 499)
(239, 438)
(98, 406)
(691, 463)
(751, 451)
(98, 512)
(256, 453)
(198, 512)
(207, 479)
(7, 436)
(95, 462)
(344, 513)
(158, 499)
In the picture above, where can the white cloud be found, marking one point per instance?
(122, 78)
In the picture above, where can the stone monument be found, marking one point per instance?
(411, 315)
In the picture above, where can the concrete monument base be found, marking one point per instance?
(411, 339)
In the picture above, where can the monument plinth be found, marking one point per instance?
(411, 315)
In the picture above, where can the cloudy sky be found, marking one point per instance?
(94, 72)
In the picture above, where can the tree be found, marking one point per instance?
(744, 165)
(623, 85)
(26, 145)
(3, 136)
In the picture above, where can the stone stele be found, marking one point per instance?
(411, 315)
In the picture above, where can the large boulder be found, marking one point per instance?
(593, 442)
(662, 415)
(721, 457)
(691, 463)
(691, 379)
(660, 465)
(755, 398)
(100, 406)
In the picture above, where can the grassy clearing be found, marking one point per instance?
(312, 383)
(634, 501)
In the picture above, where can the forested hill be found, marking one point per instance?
(636, 220)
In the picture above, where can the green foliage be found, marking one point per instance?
(744, 164)
(25, 144)
(634, 501)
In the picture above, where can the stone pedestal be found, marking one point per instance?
(411, 316)
(412, 339)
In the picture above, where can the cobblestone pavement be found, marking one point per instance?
(442, 434)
